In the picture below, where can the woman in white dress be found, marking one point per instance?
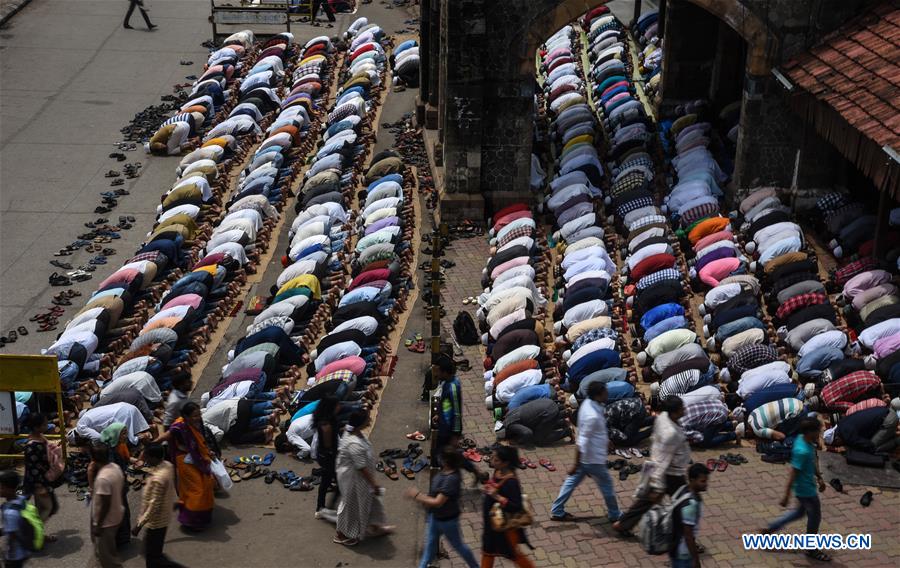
(361, 512)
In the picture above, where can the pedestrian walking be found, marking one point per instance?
(449, 418)
(803, 481)
(37, 483)
(686, 521)
(591, 451)
(115, 437)
(326, 7)
(156, 507)
(15, 553)
(361, 512)
(139, 4)
(442, 504)
(107, 511)
(670, 455)
(325, 423)
(503, 488)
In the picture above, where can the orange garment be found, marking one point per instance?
(707, 227)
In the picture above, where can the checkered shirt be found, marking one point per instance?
(841, 394)
(634, 180)
(842, 275)
(277, 321)
(648, 220)
(832, 201)
(659, 276)
(515, 234)
(633, 205)
(792, 305)
(637, 160)
(750, 357)
(342, 375)
(152, 256)
(594, 335)
(620, 413)
(866, 405)
(700, 415)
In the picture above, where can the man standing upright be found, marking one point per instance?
(139, 4)
(670, 455)
(156, 507)
(449, 419)
(107, 509)
(591, 452)
(802, 480)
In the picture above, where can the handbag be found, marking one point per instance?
(57, 465)
(502, 521)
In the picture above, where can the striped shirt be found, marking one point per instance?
(158, 497)
(767, 417)
(679, 384)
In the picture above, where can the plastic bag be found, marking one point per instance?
(221, 475)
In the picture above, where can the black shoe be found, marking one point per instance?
(127, 27)
(152, 27)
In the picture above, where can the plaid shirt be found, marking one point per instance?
(801, 301)
(701, 415)
(842, 275)
(841, 394)
(679, 384)
(634, 205)
(342, 375)
(525, 231)
(659, 276)
(638, 160)
(594, 335)
(865, 405)
(152, 256)
(750, 357)
(633, 180)
(832, 201)
(648, 220)
(619, 414)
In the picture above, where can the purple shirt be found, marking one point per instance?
(382, 223)
(717, 254)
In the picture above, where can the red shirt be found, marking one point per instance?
(652, 264)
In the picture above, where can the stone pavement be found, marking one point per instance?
(741, 499)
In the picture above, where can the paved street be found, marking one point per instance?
(70, 78)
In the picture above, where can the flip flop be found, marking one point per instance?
(472, 455)
(235, 476)
(407, 472)
(419, 464)
(345, 541)
(416, 436)
(268, 459)
(390, 470)
(711, 464)
(547, 464)
(722, 465)
(838, 486)
(866, 499)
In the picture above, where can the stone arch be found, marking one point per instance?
(551, 15)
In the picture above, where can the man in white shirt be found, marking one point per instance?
(591, 451)
(299, 438)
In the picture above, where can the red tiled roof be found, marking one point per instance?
(856, 71)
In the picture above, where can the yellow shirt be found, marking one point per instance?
(305, 281)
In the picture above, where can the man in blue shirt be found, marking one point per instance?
(803, 479)
(15, 554)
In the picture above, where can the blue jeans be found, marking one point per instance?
(680, 562)
(450, 530)
(600, 473)
(259, 423)
(261, 409)
(809, 506)
(718, 434)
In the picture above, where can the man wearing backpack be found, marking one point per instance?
(16, 552)
(685, 551)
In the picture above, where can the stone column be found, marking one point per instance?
(462, 122)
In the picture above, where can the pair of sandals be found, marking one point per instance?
(416, 344)
(13, 336)
(412, 466)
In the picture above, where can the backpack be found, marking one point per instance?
(656, 531)
(31, 529)
(465, 330)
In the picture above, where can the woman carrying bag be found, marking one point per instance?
(43, 466)
(505, 512)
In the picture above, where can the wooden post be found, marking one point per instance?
(637, 12)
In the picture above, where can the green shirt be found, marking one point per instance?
(803, 459)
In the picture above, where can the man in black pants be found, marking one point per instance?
(139, 4)
(156, 508)
(326, 6)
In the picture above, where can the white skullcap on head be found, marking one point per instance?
(489, 402)
(725, 375)
(753, 266)
(828, 436)
(705, 330)
(740, 429)
(702, 309)
(738, 413)
(654, 388)
(484, 339)
(809, 389)
(711, 343)
(751, 247)
(895, 403)
(573, 402)
(641, 358)
(869, 360)
(557, 327)
(833, 243)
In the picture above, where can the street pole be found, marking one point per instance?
(437, 248)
